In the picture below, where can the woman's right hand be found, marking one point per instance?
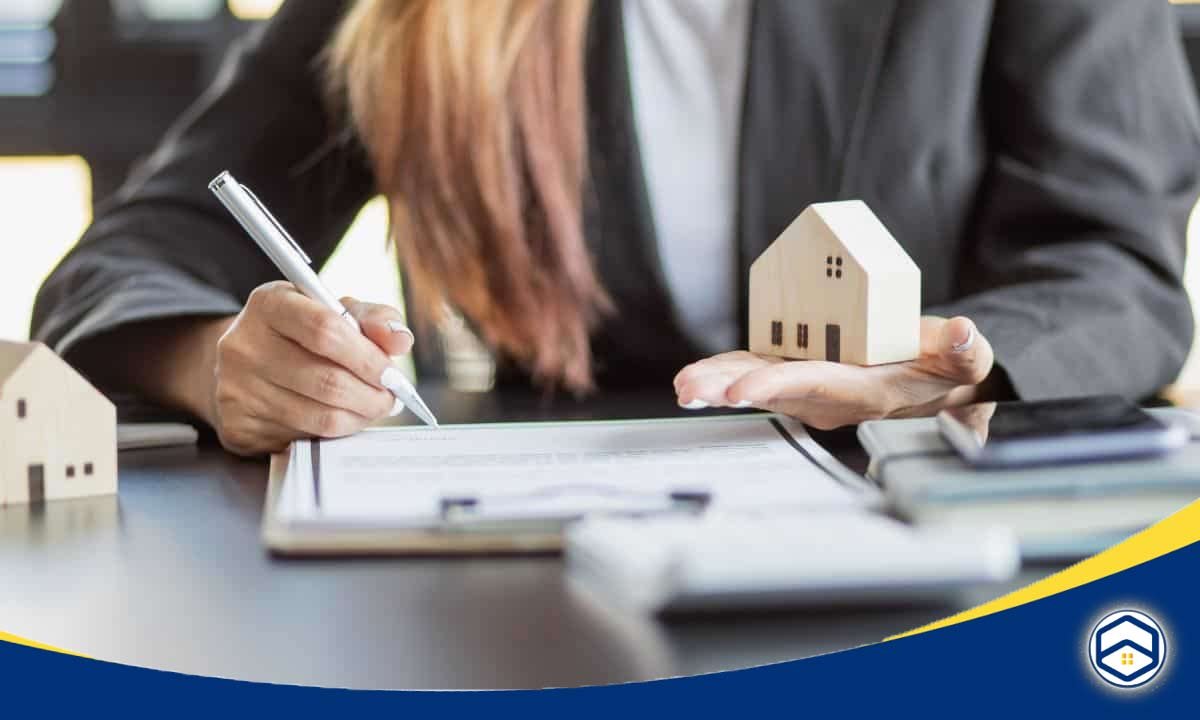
(288, 367)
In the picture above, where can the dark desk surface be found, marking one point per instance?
(172, 575)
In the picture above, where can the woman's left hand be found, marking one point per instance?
(955, 358)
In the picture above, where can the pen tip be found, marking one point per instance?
(424, 413)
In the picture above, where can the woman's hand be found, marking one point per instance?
(955, 358)
(288, 367)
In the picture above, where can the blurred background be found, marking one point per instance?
(86, 89)
(88, 86)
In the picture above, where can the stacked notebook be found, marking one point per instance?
(1057, 512)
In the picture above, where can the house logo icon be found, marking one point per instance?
(1127, 648)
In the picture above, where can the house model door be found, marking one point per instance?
(37, 483)
(833, 343)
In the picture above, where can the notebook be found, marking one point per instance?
(501, 488)
(138, 436)
(1057, 512)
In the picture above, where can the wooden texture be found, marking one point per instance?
(69, 428)
(841, 288)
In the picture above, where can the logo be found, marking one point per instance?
(1127, 648)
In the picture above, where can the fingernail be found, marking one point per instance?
(965, 345)
(391, 378)
(397, 408)
(742, 404)
(398, 327)
(696, 404)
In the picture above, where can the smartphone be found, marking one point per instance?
(1007, 434)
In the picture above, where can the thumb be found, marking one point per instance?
(384, 325)
(964, 354)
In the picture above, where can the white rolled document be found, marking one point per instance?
(772, 559)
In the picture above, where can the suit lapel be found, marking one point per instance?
(809, 82)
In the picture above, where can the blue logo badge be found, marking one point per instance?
(1127, 648)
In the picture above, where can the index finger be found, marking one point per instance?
(324, 332)
(382, 324)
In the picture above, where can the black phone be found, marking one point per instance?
(1006, 434)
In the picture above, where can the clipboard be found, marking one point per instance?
(519, 519)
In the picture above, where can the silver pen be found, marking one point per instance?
(292, 261)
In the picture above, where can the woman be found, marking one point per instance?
(588, 183)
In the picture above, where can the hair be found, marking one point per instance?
(473, 118)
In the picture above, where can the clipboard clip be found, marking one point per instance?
(550, 510)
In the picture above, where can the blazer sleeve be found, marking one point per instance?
(164, 247)
(1075, 270)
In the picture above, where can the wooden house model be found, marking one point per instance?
(58, 434)
(836, 286)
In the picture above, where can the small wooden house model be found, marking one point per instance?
(58, 434)
(836, 286)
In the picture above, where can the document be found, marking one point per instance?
(419, 477)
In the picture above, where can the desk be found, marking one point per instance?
(172, 575)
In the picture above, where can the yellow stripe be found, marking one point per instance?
(5, 637)
(1176, 531)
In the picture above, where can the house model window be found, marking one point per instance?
(777, 333)
(802, 336)
(833, 267)
(21, 408)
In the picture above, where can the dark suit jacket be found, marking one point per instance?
(1038, 160)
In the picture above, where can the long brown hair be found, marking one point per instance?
(472, 113)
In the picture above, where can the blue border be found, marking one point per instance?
(1018, 663)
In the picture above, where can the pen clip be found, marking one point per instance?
(266, 213)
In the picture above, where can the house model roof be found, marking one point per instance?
(863, 236)
(12, 356)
